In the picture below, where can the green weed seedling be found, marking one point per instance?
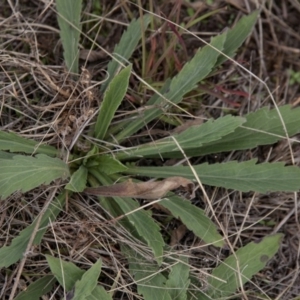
(25, 165)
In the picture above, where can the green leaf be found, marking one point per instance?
(141, 220)
(246, 176)
(66, 273)
(192, 137)
(107, 204)
(192, 73)
(99, 293)
(112, 99)
(178, 280)
(14, 143)
(11, 254)
(106, 164)
(149, 279)
(25, 172)
(129, 127)
(88, 282)
(69, 23)
(194, 219)
(37, 289)
(239, 268)
(6, 155)
(78, 180)
(237, 35)
(262, 127)
(127, 45)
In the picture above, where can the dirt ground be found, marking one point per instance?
(32, 71)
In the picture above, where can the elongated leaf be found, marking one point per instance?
(232, 40)
(194, 136)
(25, 172)
(95, 179)
(99, 293)
(178, 280)
(88, 282)
(262, 127)
(112, 99)
(142, 221)
(14, 143)
(149, 279)
(128, 128)
(193, 72)
(127, 45)
(150, 190)
(78, 180)
(194, 218)
(249, 260)
(6, 155)
(106, 164)
(245, 176)
(37, 289)
(66, 273)
(11, 254)
(69, 23)
(237, 35)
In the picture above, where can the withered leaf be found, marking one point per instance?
(149, 190)
(91, 55)
(177, 234)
